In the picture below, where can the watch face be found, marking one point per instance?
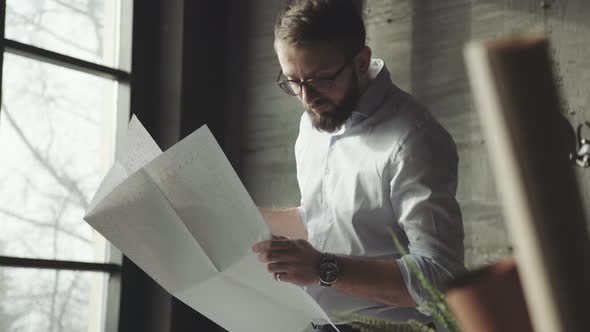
(328, 272)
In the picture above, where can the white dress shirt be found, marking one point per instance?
(391, 166)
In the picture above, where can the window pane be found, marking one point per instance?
(85, 29)
(56, 136)
(33, 300)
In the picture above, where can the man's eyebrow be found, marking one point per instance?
(325, 71)
(316, 73)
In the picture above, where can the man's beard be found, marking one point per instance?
(332, 120)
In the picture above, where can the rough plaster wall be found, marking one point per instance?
(272, 122)
(421, 41)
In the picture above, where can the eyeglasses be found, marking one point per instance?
(323, 84)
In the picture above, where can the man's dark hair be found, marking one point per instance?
(336, 23)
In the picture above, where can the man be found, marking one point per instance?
(370, 159)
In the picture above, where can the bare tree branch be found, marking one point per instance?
(17, 297)
(71, 7)
(55, 103)
(44, 225)
(39, 27)
(53, 300)
(57, 272)
(98, 26)
(91, 14)
(66, 301)
(49, 195)
(30, 250)
(66, 182)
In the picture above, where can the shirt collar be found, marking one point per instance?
(371, 99)
(379, 87)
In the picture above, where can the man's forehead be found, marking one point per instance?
(307, 60)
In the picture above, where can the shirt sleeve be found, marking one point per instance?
(301, 211)
(423, 188)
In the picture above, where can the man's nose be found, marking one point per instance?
(308, 94)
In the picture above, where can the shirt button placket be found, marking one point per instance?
(325, 181)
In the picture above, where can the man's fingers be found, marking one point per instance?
(278, 267)
(273, 256)
(271, 245)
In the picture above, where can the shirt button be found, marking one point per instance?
(327, 171)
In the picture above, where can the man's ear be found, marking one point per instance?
(363, 60)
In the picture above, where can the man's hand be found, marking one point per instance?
(294, 261)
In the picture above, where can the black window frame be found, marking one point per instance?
(114, 267)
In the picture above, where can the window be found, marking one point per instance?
(64, 101)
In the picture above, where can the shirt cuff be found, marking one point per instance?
(434, 273)
(301, 211)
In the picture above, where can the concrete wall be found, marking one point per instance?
(421, 41)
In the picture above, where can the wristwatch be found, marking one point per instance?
(328, 269)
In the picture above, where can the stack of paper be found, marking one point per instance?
(185, 218)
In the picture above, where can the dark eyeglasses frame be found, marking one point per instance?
(331, 80)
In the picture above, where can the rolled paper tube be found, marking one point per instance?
(519, 110)
(490, 299)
